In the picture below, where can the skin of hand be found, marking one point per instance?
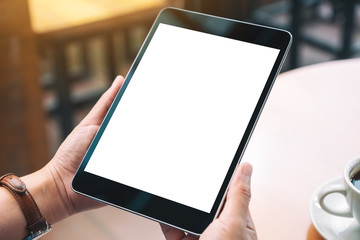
(51, 185)
(235, 221)
(67, 159)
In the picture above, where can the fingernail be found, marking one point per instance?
(116, 79)
(247, 169)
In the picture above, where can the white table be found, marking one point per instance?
(309, 129)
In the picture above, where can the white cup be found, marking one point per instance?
(351, 193)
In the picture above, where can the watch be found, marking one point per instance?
(37, 226)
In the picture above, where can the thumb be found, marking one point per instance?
(239, 194)
(98, 112)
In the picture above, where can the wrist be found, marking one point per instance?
(12, 222)
(20, 214)
(43, 188)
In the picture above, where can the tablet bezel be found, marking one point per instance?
(155, 207)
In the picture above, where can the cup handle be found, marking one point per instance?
(329, 190)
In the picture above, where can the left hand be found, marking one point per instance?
(67, 159)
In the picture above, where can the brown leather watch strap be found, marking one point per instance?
(35, 221)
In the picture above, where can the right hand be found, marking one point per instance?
(235, 221)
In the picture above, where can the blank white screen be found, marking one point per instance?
(177, 127)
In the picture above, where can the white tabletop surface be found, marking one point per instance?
(309, 129)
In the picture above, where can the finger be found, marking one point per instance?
(238, 196)
(171, 233)
(98, 112)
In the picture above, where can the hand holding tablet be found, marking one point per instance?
(234, 222)
(169, 145)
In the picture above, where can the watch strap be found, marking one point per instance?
(36, 223)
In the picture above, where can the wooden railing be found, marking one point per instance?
(118, 38)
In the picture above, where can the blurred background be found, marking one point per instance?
(57, 57)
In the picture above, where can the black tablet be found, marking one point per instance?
(169, 145)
